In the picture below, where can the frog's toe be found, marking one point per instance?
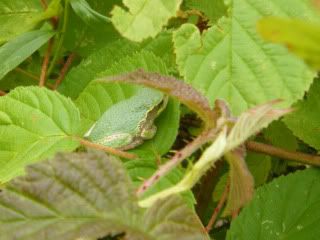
(149, 133)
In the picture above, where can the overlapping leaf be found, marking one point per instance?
(34, 124)
(305, 120)
(16, 51)
(287, 208)
(298, 36)
(21, 16)
(232, 62)
(98, 97)
(87, 195)
(144, 18)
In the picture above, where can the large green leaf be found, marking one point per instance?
(87, 195)
(305, 120)
(79, 77)
(16, 51)
(144, 18)
(287, 208)
(34, 124)
(232, 62)
(298, 36)
(20, 16)
(98, 97)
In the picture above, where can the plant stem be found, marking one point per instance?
(110, 150)
(64, 70)
(62, 30)
(218, 207)
(177, 159)
(282, 153)
(45, 63)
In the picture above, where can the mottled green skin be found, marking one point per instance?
(128, 123)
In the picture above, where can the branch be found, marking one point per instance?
(110, 150)
(177, 159)
(218, 207)
(282, 153)
(45, 63)
(64, 70)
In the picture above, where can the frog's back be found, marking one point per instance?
(124, 117)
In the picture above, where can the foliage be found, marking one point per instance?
(241, 97)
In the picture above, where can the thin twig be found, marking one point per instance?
(45, 63)
(177, 159)
(282, 153)
(218, 207)
(54, 20)
(44, 4)
(110, 150)
(64, 70)
(28, 74)
(2, 93)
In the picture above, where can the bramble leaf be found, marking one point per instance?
(231, 61)
(304, 122)
(286, 208)
(144, 18)
(16, 51)
(298, 36)
(87, 195)
(35, 123)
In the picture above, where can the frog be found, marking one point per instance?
(128, 123)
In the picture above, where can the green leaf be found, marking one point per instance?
(304, 122)
(213, 10)
(79, 77)
(98, 97)
(16, 51)
(144, 18)
(279, 135)
(85, 39)
(53, 201)
(298, 36)
(17, 16)
(230, 60)
(87, 14)
(287, 208)
(260, 166)
(34, 123)
(143, 169)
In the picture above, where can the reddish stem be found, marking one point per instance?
(64, 70)
(284, 154)
(45, 64)
(177, 159)
(2, 93)
(110, 150)
(219, 207)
